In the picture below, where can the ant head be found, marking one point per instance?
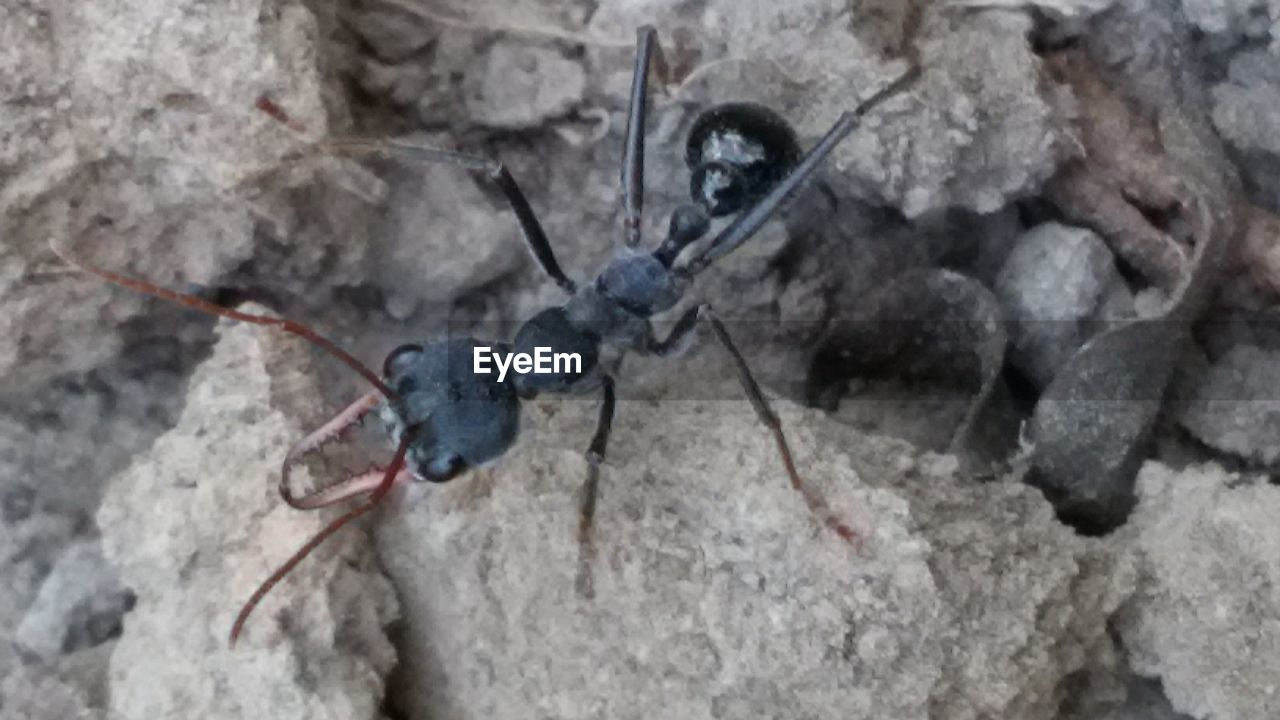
(738, 152)
(462, 418)
(425, 459)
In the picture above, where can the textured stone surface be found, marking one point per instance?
(1206, 617)
(1261, 248)
(1058, 9)
(195, 524)
(36, 694)
(1244, 105)
(115, 143)
(716, 594)
(1236, 407)
(128, 132)
(1090, 427)
(1233, 20)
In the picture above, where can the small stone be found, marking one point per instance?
(1089, 427)
(1246, 110)
(1244, 105)
(1057, 278)
(444, 237)
(1206, 616)
(718, 594)
(1236, 407)
(393, 34)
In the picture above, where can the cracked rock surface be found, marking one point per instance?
(717, 594)
(193, 540)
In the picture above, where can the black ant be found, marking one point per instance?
(445, 418)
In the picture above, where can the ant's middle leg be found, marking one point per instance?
(674, 342)
(587, 510)
(534, 236)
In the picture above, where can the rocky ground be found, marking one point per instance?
(1022, 332)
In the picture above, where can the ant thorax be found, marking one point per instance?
(640, 284)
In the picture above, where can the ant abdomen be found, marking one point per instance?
(738, 152)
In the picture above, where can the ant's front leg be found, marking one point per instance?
(674, 342)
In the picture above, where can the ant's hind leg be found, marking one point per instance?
(587, 510)
(815, 501)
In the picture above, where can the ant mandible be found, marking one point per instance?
(444, 418)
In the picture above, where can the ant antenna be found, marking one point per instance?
(389, 477)
(210, 308)
(366, 403)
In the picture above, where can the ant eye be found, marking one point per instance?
(738, 152)
(398, 358)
